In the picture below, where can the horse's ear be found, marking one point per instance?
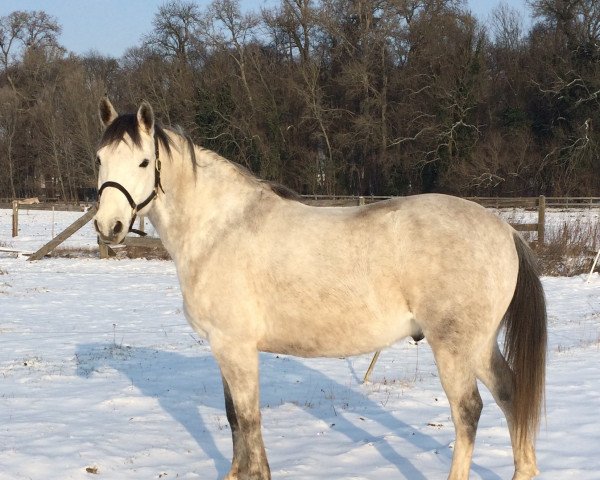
(145, 117)
(107, 112)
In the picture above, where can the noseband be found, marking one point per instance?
(135, 208)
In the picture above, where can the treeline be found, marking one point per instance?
(325, 96)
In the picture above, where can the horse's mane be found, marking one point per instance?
(275, 187)
(127, 124)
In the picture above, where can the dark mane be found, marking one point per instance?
(277, 188)
(283, 191)
(127, 124)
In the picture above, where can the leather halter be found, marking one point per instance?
(135, 208)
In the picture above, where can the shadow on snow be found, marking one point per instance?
(182, 384)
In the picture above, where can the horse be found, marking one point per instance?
(260, 271)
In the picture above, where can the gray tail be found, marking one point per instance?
(525, 343)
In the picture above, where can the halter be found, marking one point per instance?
(135, 208)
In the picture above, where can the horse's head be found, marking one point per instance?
(129, 170)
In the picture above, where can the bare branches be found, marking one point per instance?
(21, 30)
(385, 96)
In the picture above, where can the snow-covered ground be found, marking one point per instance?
(99, 371)
(37, 227)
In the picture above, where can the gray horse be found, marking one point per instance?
(261, 271)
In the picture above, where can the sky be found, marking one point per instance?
(111, 26)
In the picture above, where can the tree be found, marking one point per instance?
(565, 99)
(177, 29)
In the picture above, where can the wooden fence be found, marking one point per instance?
(539, 204)
(17, 205)
(530, 203)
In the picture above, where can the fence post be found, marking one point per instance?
(541, 229)
(103, 249)
(371, 366)
(361, 200)
(15, 218)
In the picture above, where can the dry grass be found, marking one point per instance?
(157, 253)
(569, 248)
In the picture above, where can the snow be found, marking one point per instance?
(99, 370)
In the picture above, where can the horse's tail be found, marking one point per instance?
(525, 344)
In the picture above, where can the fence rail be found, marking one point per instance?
(540, 204)
(332, 200)
(59, 207)
(489, 202)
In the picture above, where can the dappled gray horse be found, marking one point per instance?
(261, 271)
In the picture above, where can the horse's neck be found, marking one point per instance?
(196, 206)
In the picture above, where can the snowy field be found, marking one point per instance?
(99, 371)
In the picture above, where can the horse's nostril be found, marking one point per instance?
(118, 228)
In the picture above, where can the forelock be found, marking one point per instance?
(126, 124)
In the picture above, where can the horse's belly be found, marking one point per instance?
(335, 337)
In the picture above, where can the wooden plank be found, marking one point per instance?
(61, 237)
(525, 227)
(371, 366)
(15, 218)
(541, 226)
(145, 242)
(15, 250)
(105, 250)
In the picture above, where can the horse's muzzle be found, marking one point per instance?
(112, 234)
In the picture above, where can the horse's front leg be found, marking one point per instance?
(238, 445)
(239, 368)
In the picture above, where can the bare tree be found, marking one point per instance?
(228, 26)
(507, 27)
(9, 111)
(176, 31)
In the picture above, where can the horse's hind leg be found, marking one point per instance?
(460, 385)
(497, 376)
(239, 368)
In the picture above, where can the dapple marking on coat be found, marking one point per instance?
(261, 271)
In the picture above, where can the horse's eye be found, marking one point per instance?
(145, 163)
(98, 161)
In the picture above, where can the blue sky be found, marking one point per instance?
(112, 26)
